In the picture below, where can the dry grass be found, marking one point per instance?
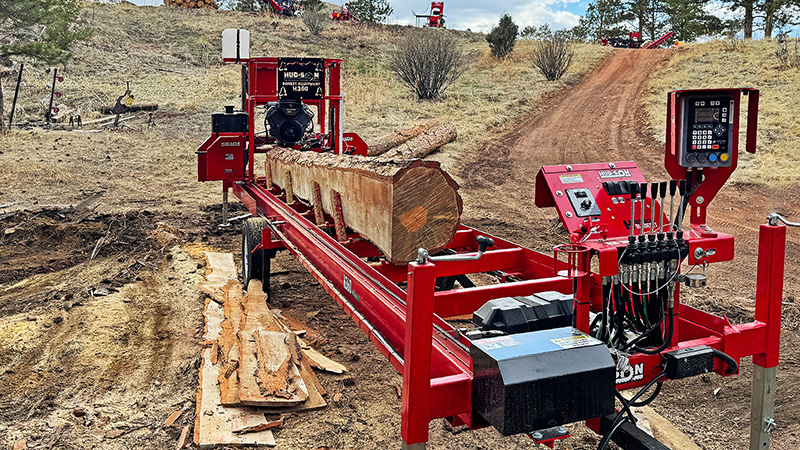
(709, 65)
(170, 56)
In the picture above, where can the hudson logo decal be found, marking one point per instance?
(629, 373)
(614, 173)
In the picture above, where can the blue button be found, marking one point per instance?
(712, 157)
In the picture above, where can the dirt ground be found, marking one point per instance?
(100, 311)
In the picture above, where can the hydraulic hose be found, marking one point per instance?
(732, 366)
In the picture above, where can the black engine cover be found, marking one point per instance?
(288, 120)
(540, 311)
(541, 379)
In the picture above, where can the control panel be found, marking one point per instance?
(583, 202)
(706, 135)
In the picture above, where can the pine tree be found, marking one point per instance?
(371, 11)
(503, 37)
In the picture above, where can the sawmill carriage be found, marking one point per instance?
(556, 336)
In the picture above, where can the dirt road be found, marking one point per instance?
(601, 120)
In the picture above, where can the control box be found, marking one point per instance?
(706, 135)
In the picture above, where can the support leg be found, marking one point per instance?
(762, 408)
(417, 356)
(225, 223)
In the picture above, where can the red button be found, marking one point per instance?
(715, 147)
(694, 147)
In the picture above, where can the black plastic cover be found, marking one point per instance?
(540, 311)
(229, 122)
(689, 362)
(530, 381)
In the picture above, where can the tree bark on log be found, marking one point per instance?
(398, 205)
(382, 144)
(425, 143)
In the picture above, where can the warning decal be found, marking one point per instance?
(301, 78)
(496, 343)
(580, 340)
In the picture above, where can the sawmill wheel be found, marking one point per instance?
(255, 265)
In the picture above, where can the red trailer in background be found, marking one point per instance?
(434, 18)
(344, 15)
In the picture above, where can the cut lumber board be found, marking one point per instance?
(301, 329)
(318, 360)
(219, 270)
(268, 372)
(228, 344)
(398, 205)
(667, 433)
(382, 144)
(213, 421)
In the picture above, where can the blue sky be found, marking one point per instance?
(481, 15)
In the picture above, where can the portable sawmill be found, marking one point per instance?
(556, 336)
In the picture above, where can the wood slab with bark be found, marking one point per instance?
(398, 205)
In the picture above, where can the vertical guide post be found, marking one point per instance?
(49, 114)
(225, 222)
(417, 356)
(16, 94)
(769, 302)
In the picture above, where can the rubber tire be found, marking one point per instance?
(255, 265)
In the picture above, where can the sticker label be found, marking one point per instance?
(496, 343)
(230, 144)
(348, 287)
(629, 373)
(614, 173)
(580, 340)
(570, 179)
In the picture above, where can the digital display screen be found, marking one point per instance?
(705, 115)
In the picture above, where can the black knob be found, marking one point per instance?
(586, 204)
(484, 242)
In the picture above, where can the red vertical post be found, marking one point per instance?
(769, 290)
(583, 287)
(417, 355)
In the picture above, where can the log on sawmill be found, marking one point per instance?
(398, 205)
(420, 146)
(382, 144)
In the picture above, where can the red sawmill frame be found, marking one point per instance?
(407, 326)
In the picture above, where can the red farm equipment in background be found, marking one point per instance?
(434, 18)
(345, 15)
(285, 7)
(634, 40)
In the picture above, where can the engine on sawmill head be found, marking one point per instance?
(288, 121)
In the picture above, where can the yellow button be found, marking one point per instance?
(723, 157)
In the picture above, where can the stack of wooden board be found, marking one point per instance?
(253, 363)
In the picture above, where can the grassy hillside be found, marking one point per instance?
(171, 56)
(710, 65)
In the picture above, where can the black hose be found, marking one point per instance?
(732, 366)
(620, 414)
(650, 399)
(667, 341)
